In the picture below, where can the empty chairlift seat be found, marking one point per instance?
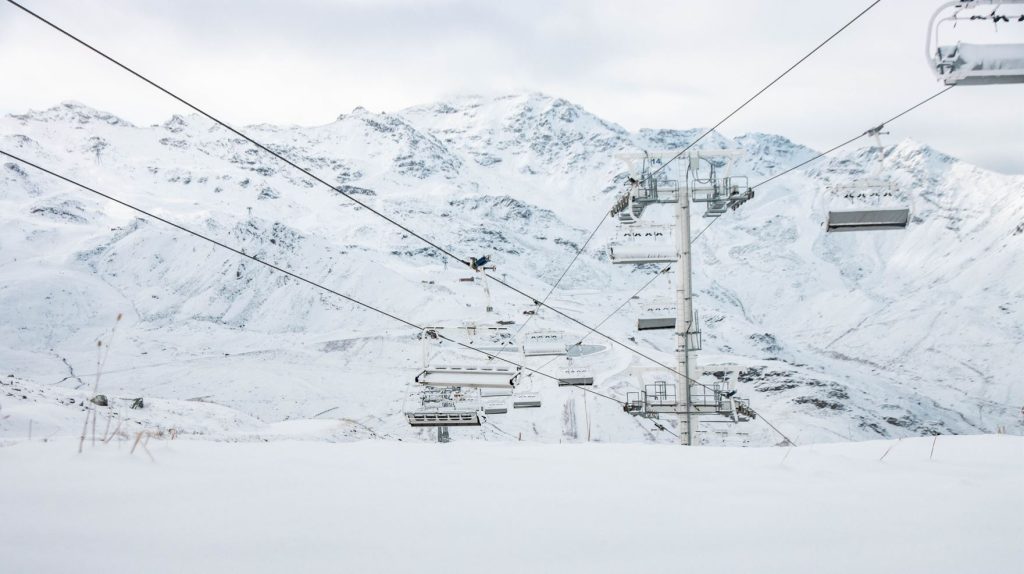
(657, 315)
(957, 63)
(545, 343)
(980, 64)
(868, 219)
(496, 392)
(481, 377)
(638, 244)
(526, 400)
(576, 376)
(867, 205)
(444, 418)
(495, 407)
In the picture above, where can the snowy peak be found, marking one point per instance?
(404, 149)
(530, 133)
(73, 113)
(671, 139)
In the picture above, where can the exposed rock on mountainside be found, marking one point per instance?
(832, 336)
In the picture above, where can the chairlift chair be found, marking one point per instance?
(545, 343)
(442, 418)
(576, 376)
(657, 314)
(526, 401)
(971, 64)
(443, 407)
(868, 204)
(644, 187)
(469, 376)
(496, 392)
(495, 407)
(721, 195)
(638, 244)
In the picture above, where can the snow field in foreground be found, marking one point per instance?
(381, 506)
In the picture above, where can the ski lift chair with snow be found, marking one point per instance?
(469, 376)
(638, 244)
(721, 195)
(657, 314)
(443, 407)
(870, 203)
(495, 407)
(645, 187)
(576, 376)
(444, 418)
(972, 64)
(544, 343)
(526, 401)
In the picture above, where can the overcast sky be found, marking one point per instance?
(640, 63)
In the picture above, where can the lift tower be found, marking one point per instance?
(703, 183)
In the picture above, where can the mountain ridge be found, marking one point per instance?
(837, 326)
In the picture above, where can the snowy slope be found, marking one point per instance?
(950, 505)
(833, 337)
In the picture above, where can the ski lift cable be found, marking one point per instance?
(560, 277)
(380, 214)
(240, 134)
(626, 302)
(277, 268)
(762, 90)
(290, 163)
(616, 311)
(853, 139)
(660, 272)
(706, 227)
(780, 174)
(794, 168)
(465, 261)
(716, 126)
(694, 381)
(635, 351)
(292, 274)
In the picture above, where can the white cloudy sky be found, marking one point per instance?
(640, 63)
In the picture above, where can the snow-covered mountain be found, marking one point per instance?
(831, 336)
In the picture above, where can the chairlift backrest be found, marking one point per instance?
(468, 376)
(639, 244)
(495, 407)
(656, 315)
(868, 220)
(526, 400)
(576, 376)
(443, 418)
(545, 343)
